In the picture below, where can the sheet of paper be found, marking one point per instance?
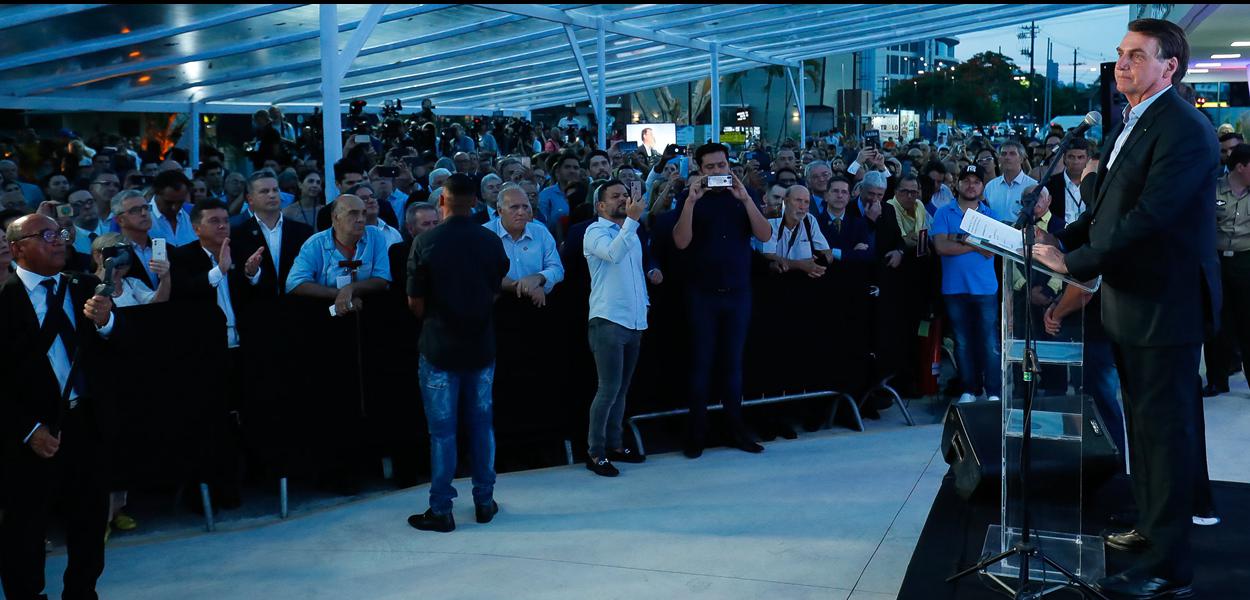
(1000, 234)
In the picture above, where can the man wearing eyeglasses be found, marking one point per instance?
(56, 414)
(103, 187)
(87, 221)
(134, 220)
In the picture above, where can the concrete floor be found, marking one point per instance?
(832, 515)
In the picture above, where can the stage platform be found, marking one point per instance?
(832, 515)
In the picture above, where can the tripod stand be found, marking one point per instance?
(1027, 549)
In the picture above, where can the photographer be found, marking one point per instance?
(713, 231)
(267, 143)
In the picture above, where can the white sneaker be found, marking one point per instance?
(1206, 521)
(967, 399)
(993, 399)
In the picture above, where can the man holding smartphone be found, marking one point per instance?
(714, 232)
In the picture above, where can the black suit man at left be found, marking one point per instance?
(211, 290)
(56, 414)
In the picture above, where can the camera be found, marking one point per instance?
(64, 210)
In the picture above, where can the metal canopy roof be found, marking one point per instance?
(465, 57)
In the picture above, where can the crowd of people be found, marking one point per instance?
(503, 265)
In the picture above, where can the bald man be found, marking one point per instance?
(56, 411)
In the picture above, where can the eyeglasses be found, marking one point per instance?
(986, 159)
(49, 236)
(138, 210)
(106, 183)
(903, 191)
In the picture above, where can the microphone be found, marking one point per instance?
(1091, 119)
(111, 264)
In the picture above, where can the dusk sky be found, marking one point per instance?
(1094, 34)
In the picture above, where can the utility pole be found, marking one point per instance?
(1050, 48)
(1074, 63)
(1029, 32)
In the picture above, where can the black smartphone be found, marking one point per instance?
(679, 150)
(872, 138)
(390, 172)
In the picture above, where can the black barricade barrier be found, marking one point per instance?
(908, 293)
(531, 371)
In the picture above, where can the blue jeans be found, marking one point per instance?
(466, 395)
(975, 326)
(616, 354)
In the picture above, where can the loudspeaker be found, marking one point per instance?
(972, 446)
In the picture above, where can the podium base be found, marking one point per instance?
(1082, 555)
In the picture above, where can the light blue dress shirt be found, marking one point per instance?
(1131, 116)
(1004, 197)
(178, 233)
(552, 203)
(534, 253)
(618, 291)
(318, 260)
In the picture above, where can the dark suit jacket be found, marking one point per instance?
(247, 237)
(32, 393)
(189, 267)
(855, 231)
(1150, 231)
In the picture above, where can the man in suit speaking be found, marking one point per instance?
(1151, 234)
(55, 413)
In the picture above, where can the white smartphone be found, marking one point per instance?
(720, 181)
(159, 250)
(362, 139)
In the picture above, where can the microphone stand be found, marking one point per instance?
(1028, 549)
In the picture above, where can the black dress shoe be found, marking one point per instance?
(748, 446)
(787, 432)
(486, 512)
(1213, 390)
(693, 448)
(601, 466)
(429, 521)
(625, 455)
(1126, 586)
(1128, 541)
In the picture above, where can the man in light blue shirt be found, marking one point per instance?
(169, 220)
(1003, 192)
(534, 262)
(618, 316)
(551, 201)
(322, 270)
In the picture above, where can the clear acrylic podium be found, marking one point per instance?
(1055, 481)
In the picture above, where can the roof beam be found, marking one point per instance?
(653, 10)
(967, 24)
(548, 82)
(245, 74)
(535, 11)
(120, 40)
(33, 13)
(839, 9)
(838, 20)
(349, 52)
(43, 84)
(581, 65)
(939, 14)
(396, 45)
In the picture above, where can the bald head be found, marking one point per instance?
(349, 218)
(798, 202)
(30, 250)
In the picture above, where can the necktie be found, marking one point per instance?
(837, 225)
(56, 320)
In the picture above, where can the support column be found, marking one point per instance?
(195, 135)
(601, 108)
(331, 114)
(715, 92)
(802, 108)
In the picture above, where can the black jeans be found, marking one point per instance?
(718, 327)
(1235, 319)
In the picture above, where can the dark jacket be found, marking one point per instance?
(32, 393)
(189, 267)
(245, 239)
(1150, 231)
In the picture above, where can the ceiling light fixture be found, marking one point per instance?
(1225, 56)
(1198, 71)
(1241, 44)
(1207, 65)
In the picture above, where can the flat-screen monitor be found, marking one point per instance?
(653, 136)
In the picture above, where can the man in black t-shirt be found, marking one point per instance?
(454, 274)
(714, 232)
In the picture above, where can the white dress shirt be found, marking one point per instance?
(273, 240)
(218, 280)
(1073, 206)
(618, 291)
(390, 234)
(1131, 116)
(58, 356)
(176, 233)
